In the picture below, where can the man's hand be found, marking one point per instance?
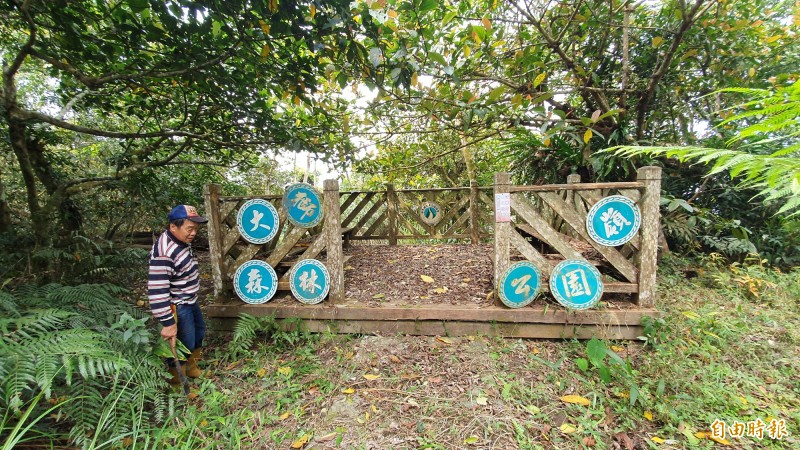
(169, 332)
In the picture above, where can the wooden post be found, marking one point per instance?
(333, 231)
(474, 225)
(502, 230)
(391, 212)
(648, 253)
(211, 194)
(573, 178)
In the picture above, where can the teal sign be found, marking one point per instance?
(255, 282)
(257, 221)
(519, 285)
(302, 204)
(430, 213)
(613, 221)
(576, 284)
(309, 281)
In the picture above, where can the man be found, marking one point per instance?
(172, 285)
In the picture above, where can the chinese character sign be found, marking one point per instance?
(257, 221)
(576, 284)
(519, 285)
(309, 281)
(302, 204)
(255, 282)
(613, 221)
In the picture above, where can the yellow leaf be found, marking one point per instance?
(374, 409)
(702, 434)
(722, 441)
(516, 100)
(273, 6)
(285, 370)
(265, 51)
(441, 290)
(301, 442)
(261, 372)
(444, 339)
(539, 78)
(366, 417)
(617, 348)
(743, 400)
(264, 26)
(576, 399)
(648, 415)
(192, 395)
(476, 38)
(467, 51)
(414, 79)
(751, 72)
(567, 428)
(348, 391)
(547, 142)
(481, 401)
(370, 376)
(471, 440)
(486, 23)
(313, 10)
(772, 39)
(393, 14)
(204, 423)
(426, 278)
(285, 415)
(657, 440)
(587, 136)
(622, 394)
(657, 41)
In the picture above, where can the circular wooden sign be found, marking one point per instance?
(519, 285)
(257, 221)
(309, 281)
(613, 221)
(576, 284)
(430, 213)
(302, 204)
(255, 282)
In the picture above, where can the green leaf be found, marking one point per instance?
(596, 351)
(437, 57)
(427, 5)
(582, 364)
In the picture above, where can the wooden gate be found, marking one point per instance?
(547, 226)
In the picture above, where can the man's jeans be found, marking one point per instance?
(191, 326)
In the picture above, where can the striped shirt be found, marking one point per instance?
(173, 277)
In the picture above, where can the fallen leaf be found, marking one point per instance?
(426, 278)
(374, 409)
(285, 370)
(657, 440)
(577, 399)
(412, 402)
(261, 372)
(589, 441)
(444, 339)
(441, 290)
(326, 438)
(394, 359)
(348, 391)
(301, 442)
(370, 376)
(648, 415)
(192, 395)
(566, 428)
(617, 348)
(379, 296)
(481, 401)
(285, 415)
(722, 441)
(471, 440)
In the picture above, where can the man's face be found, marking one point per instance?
(186, 232)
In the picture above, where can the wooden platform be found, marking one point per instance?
(529, 322)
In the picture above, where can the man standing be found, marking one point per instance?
(172, 285)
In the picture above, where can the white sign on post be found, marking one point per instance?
(502, 208)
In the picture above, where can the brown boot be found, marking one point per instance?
(175, 380)
(192, 371)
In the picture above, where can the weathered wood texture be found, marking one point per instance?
(215, 244)
(502, 230)
(648, 255)
(333, 232)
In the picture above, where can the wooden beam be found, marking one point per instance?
(333, 231)
(579, 187)
(285, 245)
(651, 177)
(357, 209)
(391, 208)
(553, 238)
(502, 230)
(530, 253)
(211, 194)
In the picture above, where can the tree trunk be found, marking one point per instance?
(68, 213)
(39, 222)
(5, 212)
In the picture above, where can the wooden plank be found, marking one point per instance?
(225, 209)
(391, 208)
(530, 253)
(230, 239)
(376, 224)
(578, 224)
(502, 231)
(454, 209)
(211, 198)
(247, 254)
(367, 215)
(315, 248)
(553, 238)
(633, 194)
(578, 187)
(459, 224)
(285, 245)
(238, 198)
(333, 231)
(648, 254)
(351, 197)
(474, 221)
(357, 209)
(537, 313)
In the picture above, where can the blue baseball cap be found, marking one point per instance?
(185, 212)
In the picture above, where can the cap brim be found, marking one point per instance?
(197, 219)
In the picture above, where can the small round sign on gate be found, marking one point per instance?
(257, 221)
(255, 282)
(613, 221)
(430, 213)
(576, 284)
(520, 284)
(302, 204)
(309, 281)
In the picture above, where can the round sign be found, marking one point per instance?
(430, 213)
(257, 221)
(613, 221)
(520, 284)
(309, 281)
(302, 204)
(576, 284)
(255, 282)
